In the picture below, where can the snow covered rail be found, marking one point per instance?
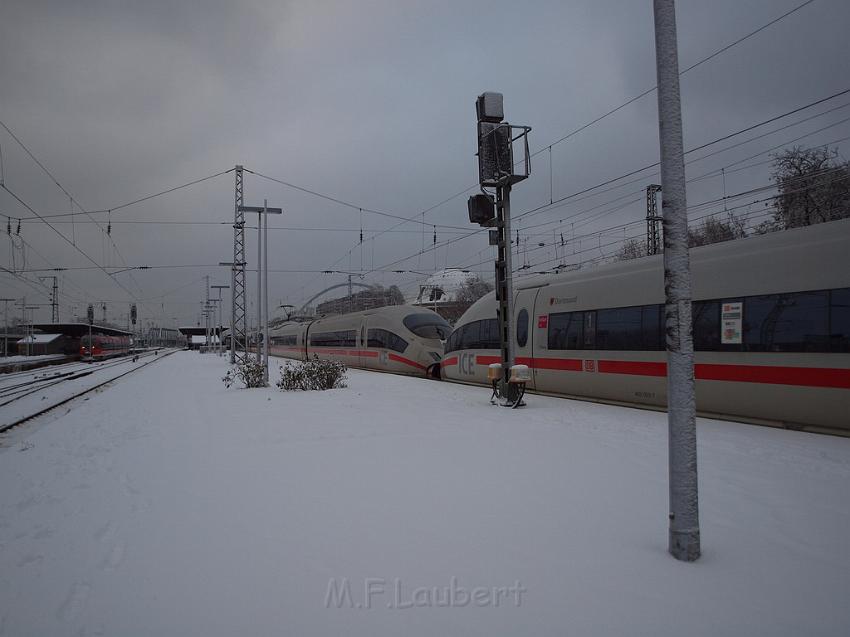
(22, 391)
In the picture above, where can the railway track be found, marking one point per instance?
(21, 391)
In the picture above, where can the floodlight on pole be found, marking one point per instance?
(262, 279)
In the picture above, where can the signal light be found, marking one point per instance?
(482, 209)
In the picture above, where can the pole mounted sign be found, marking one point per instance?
(90, 314)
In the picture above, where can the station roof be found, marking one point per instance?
(198, 330)
(39, 338)
(79, 329)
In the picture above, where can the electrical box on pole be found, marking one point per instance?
(497, 169)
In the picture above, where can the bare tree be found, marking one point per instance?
(713, 230)
(472, 289)
(631, 249)
(813, 187)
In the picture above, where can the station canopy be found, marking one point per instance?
(199, 330)
(79, 329)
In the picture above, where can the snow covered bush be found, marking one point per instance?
(250, 372)
(312, 374)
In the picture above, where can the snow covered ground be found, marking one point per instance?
(168, 505)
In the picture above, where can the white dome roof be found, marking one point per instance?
(448, 281)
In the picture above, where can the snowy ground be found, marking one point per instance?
(25, 393)
(9, 360)
(168, 505)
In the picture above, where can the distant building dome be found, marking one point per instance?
(441, 288)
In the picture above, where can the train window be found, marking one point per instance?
(428, 325)
(590, 330)
(387, 340)
(652, 327)
(343, 338)
(522, 328)
(287, 339)
(451, 344)
(565, 330)
(839, 320)
(470, 336)
(618, 328)
(706, 326)
(490, 334)
(787, 322)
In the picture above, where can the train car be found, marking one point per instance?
(99, 347)
(398, 338)
(771, 325)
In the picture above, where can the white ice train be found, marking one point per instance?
(771, 317)
(399, 338)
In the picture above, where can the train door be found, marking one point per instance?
(361, 344)
(523, 329)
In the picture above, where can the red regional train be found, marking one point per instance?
(771, 326)
(99, 347)
(398, 338)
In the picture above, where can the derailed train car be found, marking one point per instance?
(771, 324)
(398, 338)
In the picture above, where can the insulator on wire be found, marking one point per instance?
(435, 235)
(19, 227)
(9, 225)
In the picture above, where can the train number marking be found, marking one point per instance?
(543, 321)
(384, 357)
(590, 365)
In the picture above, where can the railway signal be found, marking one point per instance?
(497, 169)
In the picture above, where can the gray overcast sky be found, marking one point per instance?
(371, 102)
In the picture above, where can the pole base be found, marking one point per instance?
(685, 544)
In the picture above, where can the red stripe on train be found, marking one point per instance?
(765, 374)
(406, 361)
(804, 376)
(637, 368)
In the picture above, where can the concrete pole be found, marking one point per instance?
(266, 290)
(684, 535)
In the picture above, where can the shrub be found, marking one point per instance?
(250, 372)
(312, 374)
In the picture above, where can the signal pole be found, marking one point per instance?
(496, 169)
(684, 535)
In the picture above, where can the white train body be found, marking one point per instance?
(771, 330)
(399, 338)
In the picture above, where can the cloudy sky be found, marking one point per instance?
(372, 103)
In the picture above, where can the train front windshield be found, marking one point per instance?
(428, 326)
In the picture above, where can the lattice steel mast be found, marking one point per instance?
(238, 314)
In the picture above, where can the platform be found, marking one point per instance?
(167, 504)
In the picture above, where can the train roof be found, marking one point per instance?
(828, 231)
(808, 246)
(386, 310)
(80, 329)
